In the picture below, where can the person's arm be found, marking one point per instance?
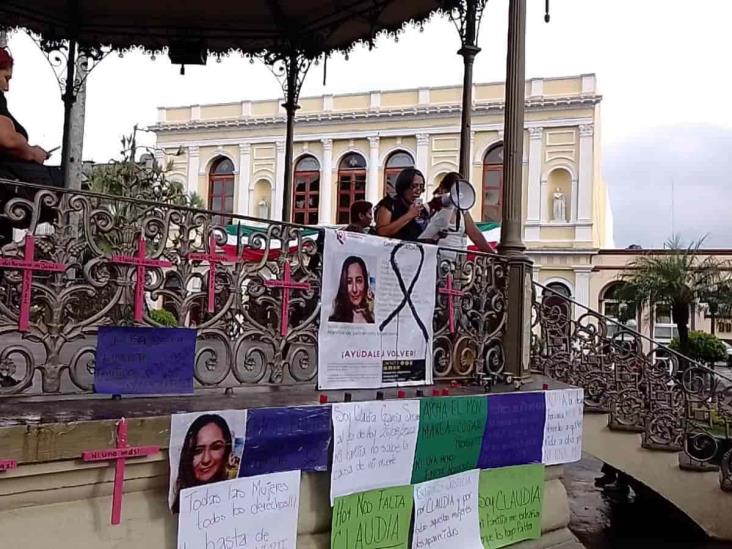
(17, 145)
(386, 227)
(475, 235)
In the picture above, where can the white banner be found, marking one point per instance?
(446, 513)
(256, 511)
(373, 445)
(378, 300)
(563, 426)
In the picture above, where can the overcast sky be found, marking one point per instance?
(663, 68)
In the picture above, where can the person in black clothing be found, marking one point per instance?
(403, 216)
(19, 161)
(361, 217)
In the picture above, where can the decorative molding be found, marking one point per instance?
(327, 103)
(424, 96)
(418, 111)
(375, 100)
(536, 132)
(327, 144)
(536, 87)
(587, 130)
(373, 142)
(423, 140)
(280, 145)
(196, 112)
(305, 146)
(246, 108)
(245, 149)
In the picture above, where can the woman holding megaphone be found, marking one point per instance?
(449, 212)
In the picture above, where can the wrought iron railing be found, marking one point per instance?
(675, 403)
(91, 245)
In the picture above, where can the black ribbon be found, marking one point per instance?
(407, 300)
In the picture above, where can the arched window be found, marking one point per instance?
(559, 288)
(306, 191)
(397, 161)
(616, 309)
(351, 185)
(493, 184)
(221, 189)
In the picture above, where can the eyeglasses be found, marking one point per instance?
(419, 188)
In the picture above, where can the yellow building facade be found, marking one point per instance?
(350, 147)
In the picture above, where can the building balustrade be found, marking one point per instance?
(103, 243)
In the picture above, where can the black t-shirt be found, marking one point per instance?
(398, 208)
(6, 113)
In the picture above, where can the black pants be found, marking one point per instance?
(26, 172)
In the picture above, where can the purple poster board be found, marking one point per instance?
(285, 439)
(144, 361)
(514, 431)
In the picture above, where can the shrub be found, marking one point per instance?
(703, 347)
(163, 317)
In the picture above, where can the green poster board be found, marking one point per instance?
(450, 436)
(372, 520)
(509, 504)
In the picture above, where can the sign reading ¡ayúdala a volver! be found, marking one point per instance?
(378, 299)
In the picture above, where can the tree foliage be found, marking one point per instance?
(680, 277)
(703, 347)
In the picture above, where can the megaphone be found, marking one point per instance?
(461, 195)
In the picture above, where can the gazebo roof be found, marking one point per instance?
(250, 26)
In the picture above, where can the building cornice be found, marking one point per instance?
(541, 104)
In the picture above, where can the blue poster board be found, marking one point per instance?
(144, 361)
(285, 439)
(514, 431)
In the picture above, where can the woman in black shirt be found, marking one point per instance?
(403, 215)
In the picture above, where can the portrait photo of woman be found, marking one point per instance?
(208, 452)
(354, 302)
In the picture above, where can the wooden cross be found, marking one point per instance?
(213, 258)
(119, 454)
(451, 293)
(7, 464)
(142, 263)
(28, 265)
(286, 285)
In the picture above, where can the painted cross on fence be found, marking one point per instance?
(213, 258)
(119, 454)
(286, 285)
(28, 265)
(451, 293)
(141, 263)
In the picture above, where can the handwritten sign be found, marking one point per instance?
(514, 430)
(144, 361)
(450, 436)
(510, 504)
(374, 444)
(253, 512)
(446, 513)
(286, 439)
(378, 519)
(563, 426)
(8, 464)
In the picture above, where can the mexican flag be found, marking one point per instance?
(242, 233)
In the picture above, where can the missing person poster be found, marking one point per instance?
(378, 299)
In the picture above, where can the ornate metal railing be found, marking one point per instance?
(675, 403)
(95, 246)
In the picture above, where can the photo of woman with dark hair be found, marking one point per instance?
(208, 453)
(354, 301)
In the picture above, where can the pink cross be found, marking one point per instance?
(28, 265)
(451, 293)
(141, 262)
(119, 454)
(286, 284)
(7, 464)
(213, 258)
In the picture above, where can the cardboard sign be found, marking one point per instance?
(510, 504)
(377, 519)
(374, 445)
(446, 513)
(563, 426)
(144, 361)
(514, 430)
(286, 439)
(450, 436)
(256, 511)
